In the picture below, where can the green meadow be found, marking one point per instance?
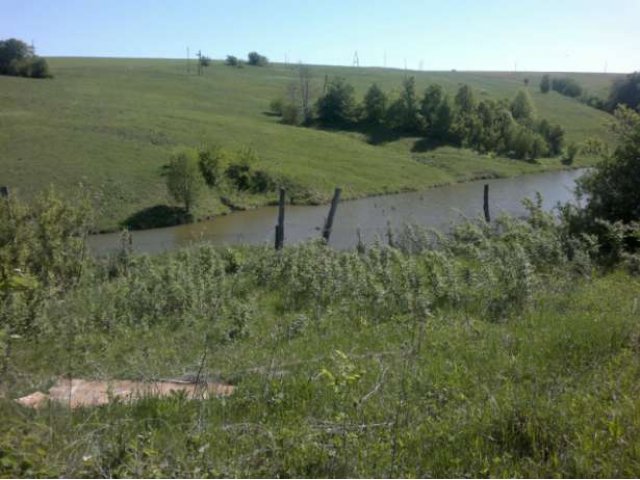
(111, 124)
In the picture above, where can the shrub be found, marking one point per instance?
(337, 107)
(566, 86)
(522, 108)
(184, 179)
(255, 59)
(232, 61)
(209, 162)
(276, 106)
(570, 153)
(375, 105)
(545, 83)
(625, 91)
(17, 58)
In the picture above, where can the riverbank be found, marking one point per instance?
(366, 219)
(449, 168)
(112, 124)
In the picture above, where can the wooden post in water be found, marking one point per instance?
(326, 232)
(280, 225)
(4, 191)
(487, 216)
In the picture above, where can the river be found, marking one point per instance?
(436, 207)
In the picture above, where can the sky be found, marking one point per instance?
(535, 35)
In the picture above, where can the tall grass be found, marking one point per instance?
(501, 350)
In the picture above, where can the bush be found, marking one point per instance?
(276, 106)
(184, 179)
(522, 108)
(625, 91)
(210, 164)
(375, 105)
(18, 59)
(245, 177)
(257, 60)
(566, 86)
(232, 61)
(545, 83)
(337, 107)
(570, 153)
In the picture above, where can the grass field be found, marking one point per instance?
(112, 124)
(494, 356)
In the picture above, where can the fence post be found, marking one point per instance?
(326, 232)
(487, 216)
(4, 191)
(280, 225)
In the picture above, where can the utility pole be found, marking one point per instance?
(356, 60)
(188, 66)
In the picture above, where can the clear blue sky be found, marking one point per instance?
(542, 35)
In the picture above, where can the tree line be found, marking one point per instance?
(503, 127)
(19, 59)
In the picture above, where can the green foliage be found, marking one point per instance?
(570, 153)
(436, 112)
(486, 347)
(17, 58)
(210, 164)
(406, 111)
(522, 108)
(375, 105)
(464, 101)
(611, 187)
(545, 83)
(244, 176)
(232, 61)
(625, 91)
(184, 178)
(337, 107)
(566, 86)
(257, 60)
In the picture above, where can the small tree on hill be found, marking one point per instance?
(545, 83)
(465, 101)
(337, 106)
(254, 58)
(625, 91)
(184, 180)
(17, 58)
(522, 108)
(375, 105)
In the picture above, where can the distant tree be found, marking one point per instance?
(625, 91)
(436, 112)
(404, 113)
(255, 59)
(337, 107)
(210, 164)
(526, 82)
(375, 105)
(570, 153)
(522, 108)
(545, 83)
(611, 188)
(204, 60)
(17, 58)
(232, 61)
(184, 179)
(566, 86)
(464, 99)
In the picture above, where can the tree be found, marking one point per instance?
(337, 106)
(464, 100)
(184, 180)
(545, 83)
(255, 59)
(611, 188)
(375, 105)
(232, 61)
(17, 58)
(566, 86)
(625, 91)
(522, 108)
(436, 112)
(404, 113)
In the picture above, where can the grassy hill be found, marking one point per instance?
(112, 124)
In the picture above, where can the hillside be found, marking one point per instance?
(112, 124)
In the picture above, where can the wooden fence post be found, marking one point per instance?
(280, 225)
(487, 216)
(326, 232)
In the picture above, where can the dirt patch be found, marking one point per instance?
(77, 392)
